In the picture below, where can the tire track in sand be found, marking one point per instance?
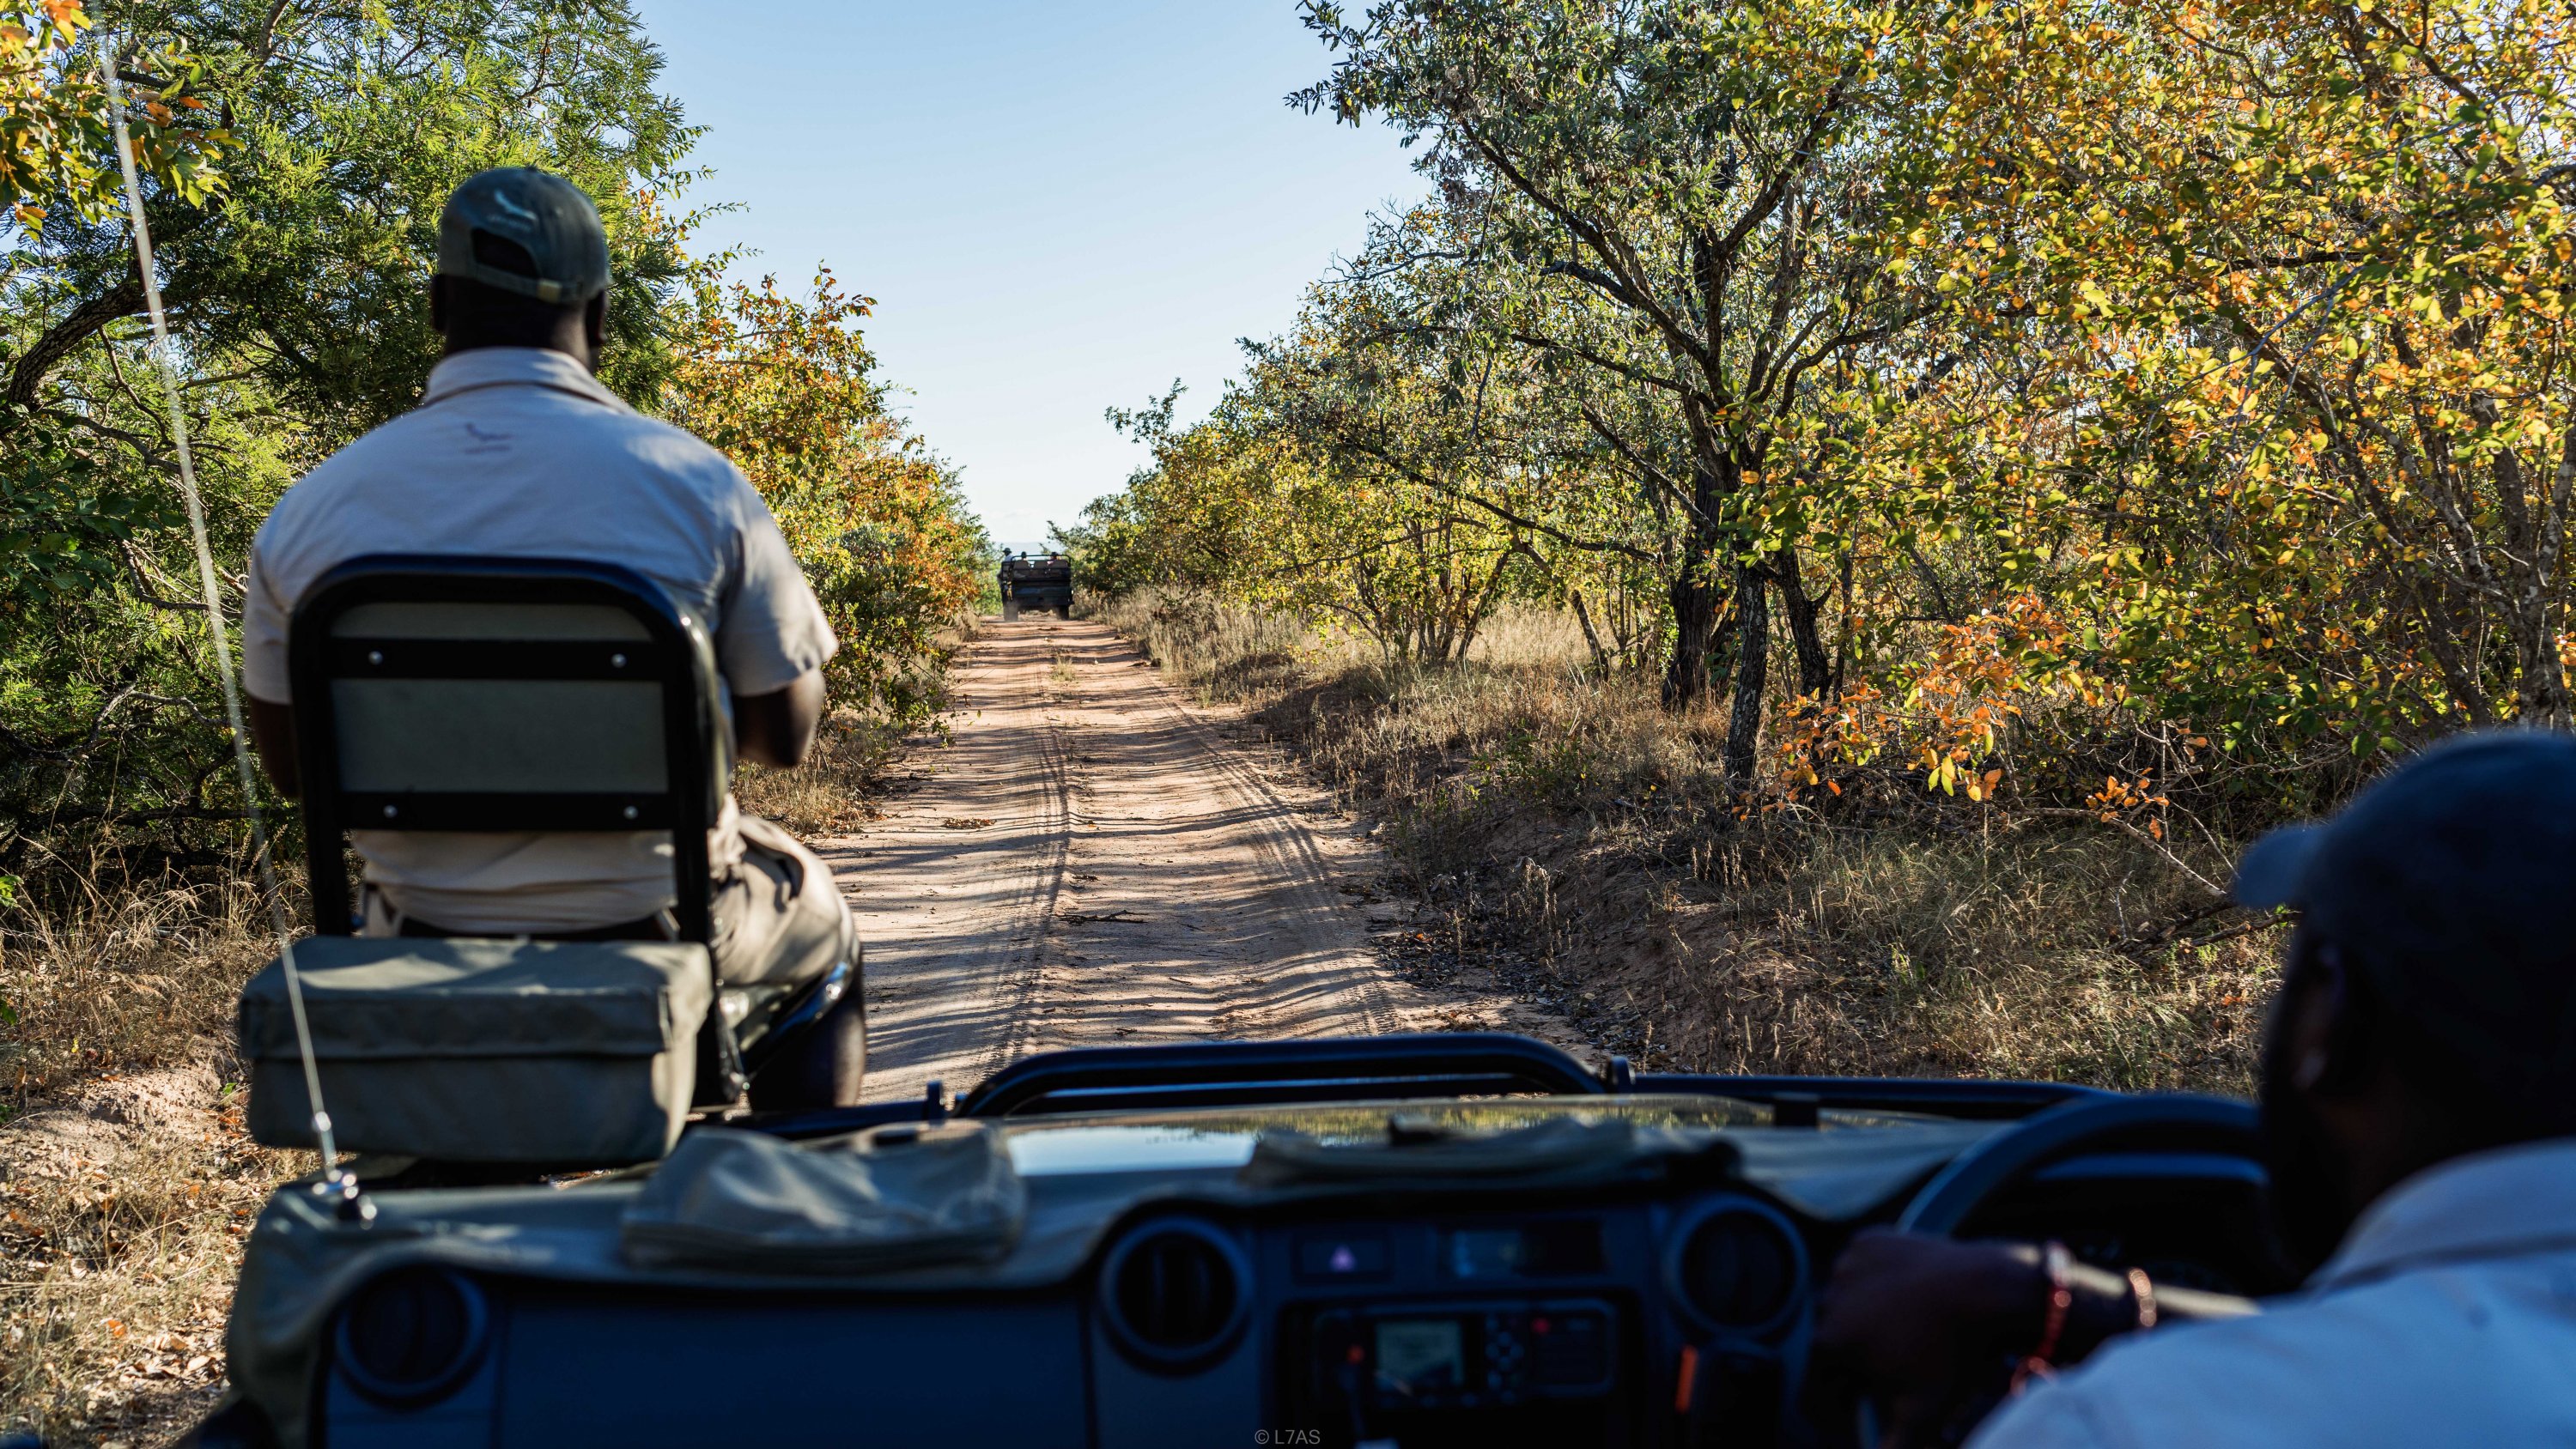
(952, 889)
(1087, 862)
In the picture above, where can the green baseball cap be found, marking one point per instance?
(525, 231)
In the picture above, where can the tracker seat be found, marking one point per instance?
(454, 693)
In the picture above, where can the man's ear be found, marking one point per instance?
(594, 323)
(2333, 1040)
(438, 304)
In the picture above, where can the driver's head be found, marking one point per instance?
(2429, 1005)
(522, 262)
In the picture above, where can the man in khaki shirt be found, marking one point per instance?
(516, 449)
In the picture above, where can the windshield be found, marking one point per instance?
(1225, 1137)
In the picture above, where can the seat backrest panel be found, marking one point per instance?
(467, 620)
(535, 736)
(495, 694)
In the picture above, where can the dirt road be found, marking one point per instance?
(1090, 861)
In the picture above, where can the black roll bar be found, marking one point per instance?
(1334, 1069)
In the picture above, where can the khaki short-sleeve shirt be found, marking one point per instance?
(520, 451)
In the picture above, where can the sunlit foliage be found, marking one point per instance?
(2068, 400)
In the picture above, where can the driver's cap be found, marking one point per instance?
(2446, 883)
(2485, 819)
(526, 231)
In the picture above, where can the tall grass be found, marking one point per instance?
(1567, 818)
(827, 795)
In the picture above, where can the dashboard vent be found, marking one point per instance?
(1175, 1293)
(1740, 1269)
(412, 1336)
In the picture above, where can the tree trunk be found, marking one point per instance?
(1694, 603)
(87, 320)
(1752, 674)
(1843, 645)
(1815, 665)
(1695, 595)
(1591, 637)
(2534, 608)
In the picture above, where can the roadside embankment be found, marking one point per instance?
(1563, 820)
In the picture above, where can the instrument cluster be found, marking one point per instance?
(1635, 1323)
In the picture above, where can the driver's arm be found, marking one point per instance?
(272, 734)
(1921, 1323)
(777, 728)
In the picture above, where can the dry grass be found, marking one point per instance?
(126, 1184)
(1568, 820)
(827, 795)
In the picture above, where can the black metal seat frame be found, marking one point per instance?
(676, 655)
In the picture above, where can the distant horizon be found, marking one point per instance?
(1057, 211)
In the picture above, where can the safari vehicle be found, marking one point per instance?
(590, 1210)
(1416, 1240)
(1037, 583)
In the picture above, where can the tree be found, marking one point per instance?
(57, 138)
(1709, 178)
(788, 389)
(2297, 274)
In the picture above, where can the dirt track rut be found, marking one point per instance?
(1090, 861)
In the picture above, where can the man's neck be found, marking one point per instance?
(577, 349)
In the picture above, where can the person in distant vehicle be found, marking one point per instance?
(2419, 1110)
(1029, 582)
(516, 449)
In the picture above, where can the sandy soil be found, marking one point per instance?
(1089, 860)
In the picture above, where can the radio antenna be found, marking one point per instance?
(350, 1202)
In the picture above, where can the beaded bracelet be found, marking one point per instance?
(2142, 1291)
(2059, 1265)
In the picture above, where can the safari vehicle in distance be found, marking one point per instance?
(1042, 583)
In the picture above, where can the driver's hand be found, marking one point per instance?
(1922, 1326)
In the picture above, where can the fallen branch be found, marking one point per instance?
(2245, 928)
(2140, 836)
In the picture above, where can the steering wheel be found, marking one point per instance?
(2164, 1134)
(2175, 1131)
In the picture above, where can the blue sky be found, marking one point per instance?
(1058, 207)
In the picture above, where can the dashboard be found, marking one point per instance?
(1156, 1299)
(1654, 1321)
(1639, 1322)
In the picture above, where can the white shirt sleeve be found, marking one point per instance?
(263, 636)
(771, 629)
